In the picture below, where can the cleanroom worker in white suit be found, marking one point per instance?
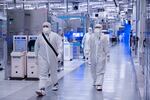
(99, 51)
(86, 46)
(47, 60)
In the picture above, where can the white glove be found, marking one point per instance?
(59, 57)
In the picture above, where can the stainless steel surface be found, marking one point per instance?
(146, 44)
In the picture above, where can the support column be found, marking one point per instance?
(88, 7)
(141, 26)
(66, 2)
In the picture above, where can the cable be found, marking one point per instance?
(115, 3)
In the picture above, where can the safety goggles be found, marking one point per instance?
(45, 26)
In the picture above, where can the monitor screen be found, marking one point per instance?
(79, 34)
(20, 44)
(31, 44)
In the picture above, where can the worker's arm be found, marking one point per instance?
(90, 45)
(83, 41)
(106, 46)
(60, 47)
(36, 47)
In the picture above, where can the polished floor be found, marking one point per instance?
(120, 82)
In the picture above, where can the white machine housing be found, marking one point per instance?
(18, 56)
(32, 67)
(68, 51)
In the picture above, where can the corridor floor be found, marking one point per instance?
(120, 82)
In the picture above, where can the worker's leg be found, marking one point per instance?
(43, 72)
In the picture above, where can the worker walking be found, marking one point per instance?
(99, 53)
(48, 49)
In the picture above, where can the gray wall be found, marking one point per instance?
(26, 21)
(34, 20)
(15, 21)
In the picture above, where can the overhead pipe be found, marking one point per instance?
(29, 2)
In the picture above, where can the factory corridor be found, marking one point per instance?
(120, 82)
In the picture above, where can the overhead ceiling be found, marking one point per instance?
(108, 4)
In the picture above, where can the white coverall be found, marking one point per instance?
(47, 60)
(86, 46)
(99, 50)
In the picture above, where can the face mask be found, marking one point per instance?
(97, 32)
(46, 30)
